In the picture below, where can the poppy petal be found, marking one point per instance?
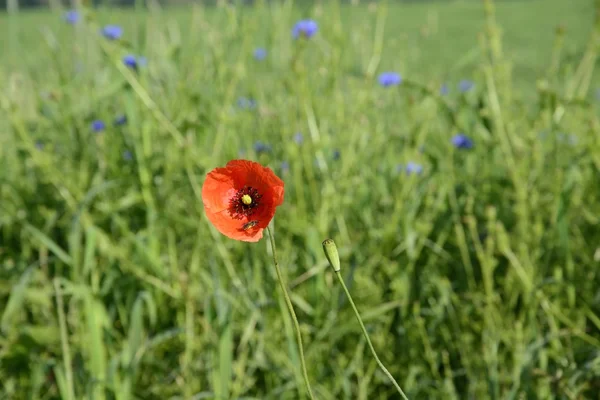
(224, 187)
(262, 178)
(233, 229)
(218, 188)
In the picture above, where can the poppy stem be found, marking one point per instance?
(290, 307)
(366, 335)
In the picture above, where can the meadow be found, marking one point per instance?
(474, 260)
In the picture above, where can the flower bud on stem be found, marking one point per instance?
(334, 260)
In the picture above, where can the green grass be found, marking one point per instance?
(476, 279)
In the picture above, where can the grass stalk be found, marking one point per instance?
(64, 340)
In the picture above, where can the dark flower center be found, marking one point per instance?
(244, 203)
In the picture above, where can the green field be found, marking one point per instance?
(477, 278)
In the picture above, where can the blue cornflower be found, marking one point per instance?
(444, 90)
(285, 166)
(387, 79)
(72, 17)
(465, 85)
(120, 120)
(112, 32)
(127, 155)
(336, 154)
(305, 27)
(411, 168)
(134, 61)
(98, 125)
(299, 138)
(39, 145)
(130, 60)
(260, 53)
(246, 103)
(462, 141)
(260, 147)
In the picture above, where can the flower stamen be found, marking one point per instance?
(246, 199)
(244, 203)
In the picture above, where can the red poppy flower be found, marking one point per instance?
(240, 199)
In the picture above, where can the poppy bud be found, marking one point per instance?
(331, 253)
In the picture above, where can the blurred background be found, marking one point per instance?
(46, 3)
(450, 148)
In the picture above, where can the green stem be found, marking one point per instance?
(290, 307)
(362, 326)
(64, 341)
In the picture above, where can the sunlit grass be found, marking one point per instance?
(475, 277)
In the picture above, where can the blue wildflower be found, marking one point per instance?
(260, 53)
(298, 138)
(120, 120)
(130, 60)
(462, 141)
(72, 17)
(336, 154)
(285, 166)
(411, 168)
(246, 103)
(134, 61)
(444, 90)
(127, 155)
(112, 32)
(260, 147)
(306, 27)
(387, 79)
(598, 94)
(98, 125)
(465, 85)
(39, 145)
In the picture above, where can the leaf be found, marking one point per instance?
(96, 321)
(16, 299)
(50, 244)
